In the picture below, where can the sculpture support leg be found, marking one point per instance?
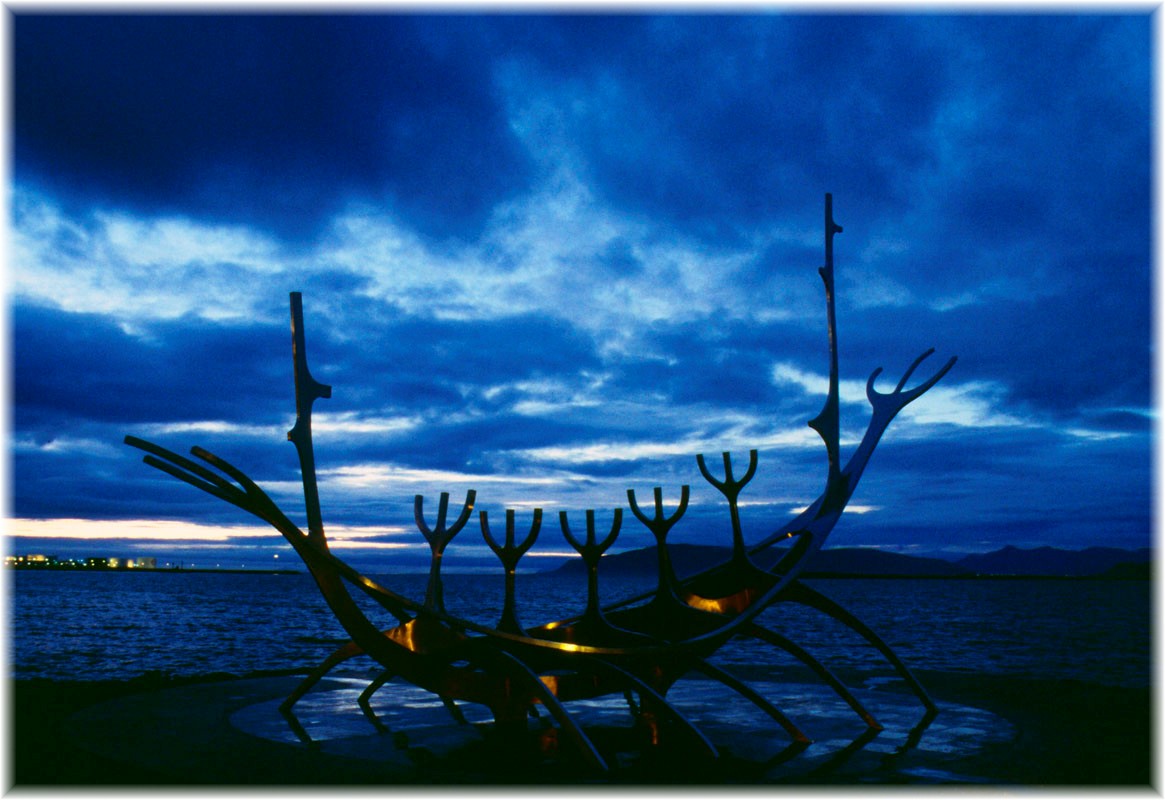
(346, 651)
(453, 710)
(648, 695)
(743, 689)
(366, 696)
(800, 593)
(566, 722)
(823, 672)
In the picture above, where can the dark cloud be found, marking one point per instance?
(725, 363)
(1066, 353)
(422, 362)
(86, 367)
(470, 446)
(772, 108)
(276, 120)
(878, 107)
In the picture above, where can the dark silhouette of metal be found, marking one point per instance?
(438, 539)
(509, 554)
(593, 626)
(307, 391)
(637, 647)
(660, 526)
(730, 488)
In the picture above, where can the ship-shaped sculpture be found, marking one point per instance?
(637, 647)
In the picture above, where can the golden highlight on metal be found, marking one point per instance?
(638, 647)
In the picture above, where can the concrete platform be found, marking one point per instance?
(232, 733)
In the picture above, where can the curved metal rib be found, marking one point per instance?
(746, 691)
(800, 593)
(339, 656)
(364, 700)
(565, 721)
(656, 699)
(822, 671)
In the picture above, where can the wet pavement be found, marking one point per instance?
(233, 732)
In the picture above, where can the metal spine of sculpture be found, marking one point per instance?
(639, 646)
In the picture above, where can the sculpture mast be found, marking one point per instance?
(827, 422)
(307, 390)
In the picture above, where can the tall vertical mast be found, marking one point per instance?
(827, 422)
(307, 390)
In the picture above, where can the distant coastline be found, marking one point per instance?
(1008, 563)
(42, 563)
(57, 568)
(163, 571)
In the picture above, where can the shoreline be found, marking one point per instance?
(646, 576)
(163, 571)
(1069, 732)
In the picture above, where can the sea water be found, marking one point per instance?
(95, 625)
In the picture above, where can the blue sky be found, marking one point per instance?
(551, 258)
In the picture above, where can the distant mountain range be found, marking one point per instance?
(1107, 562)
(1089, 562)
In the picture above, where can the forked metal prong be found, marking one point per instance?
(898, 397)
(509, 554)
(438, 539)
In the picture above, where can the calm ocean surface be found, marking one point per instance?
(92, 625)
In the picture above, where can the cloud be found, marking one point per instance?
(87, 366)
(557, 256)
(156, 531)
(275, 119)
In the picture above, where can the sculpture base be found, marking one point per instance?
(233, 732)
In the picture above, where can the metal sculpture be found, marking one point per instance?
(638, 647)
